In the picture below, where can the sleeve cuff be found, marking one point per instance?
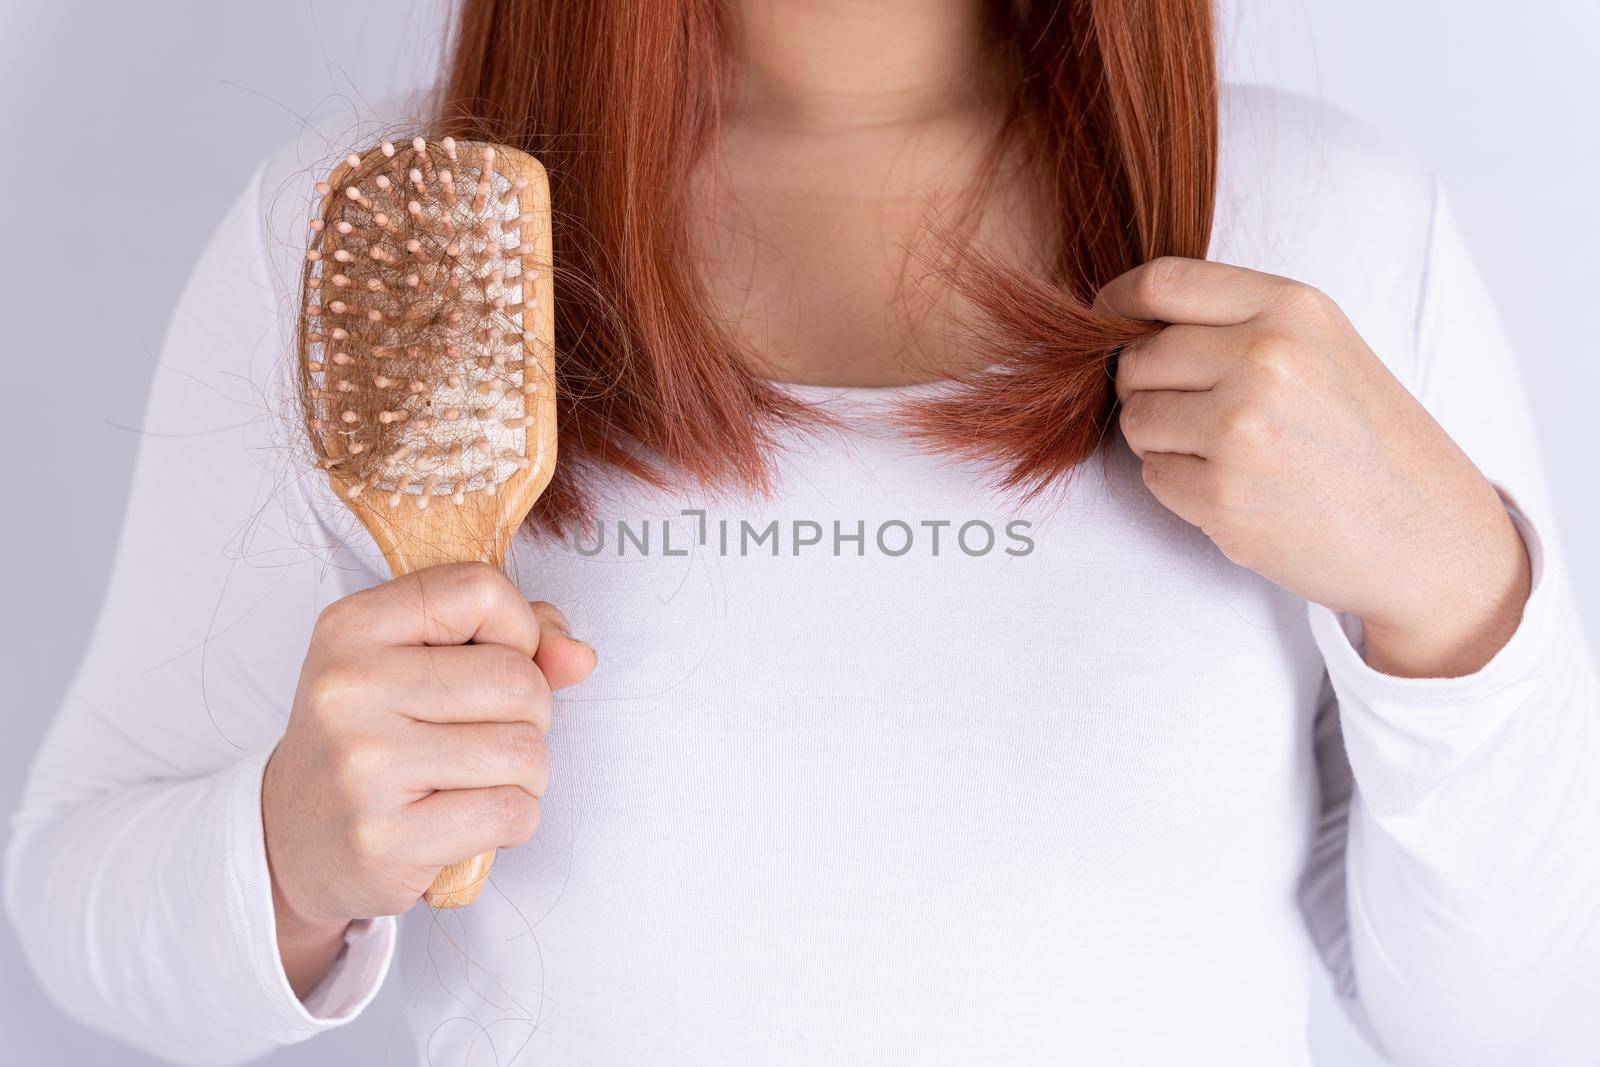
(355, 977)
(1404, 734)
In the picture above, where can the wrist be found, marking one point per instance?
(306, 947)
(308, 944)
(300, 929)
(1475, 608)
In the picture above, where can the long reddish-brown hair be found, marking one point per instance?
(1116, 105)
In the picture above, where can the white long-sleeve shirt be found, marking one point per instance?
(913, 776)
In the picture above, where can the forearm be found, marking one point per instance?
(130, 908)
(146, 910)
(1474, 881)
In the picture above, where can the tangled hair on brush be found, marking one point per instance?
(1115, 105)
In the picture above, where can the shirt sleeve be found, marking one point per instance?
(137, 874)
(1465, 928)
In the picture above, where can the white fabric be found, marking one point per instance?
(1084, 801)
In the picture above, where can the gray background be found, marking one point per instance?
(153, 114)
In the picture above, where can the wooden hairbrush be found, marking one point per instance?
(427, 359)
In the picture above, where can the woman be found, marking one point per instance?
(1052, 471)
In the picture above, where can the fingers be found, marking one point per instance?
(1172, 289)
(1179, 357)
(448, 605)
(460, 603)
(450, 826)
(1168, 421)
(564, 660)
(474, 756)
(1182, 483)
(470, 683)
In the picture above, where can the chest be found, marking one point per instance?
(881, 739)
(884, 654)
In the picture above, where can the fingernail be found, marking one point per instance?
(557, 617)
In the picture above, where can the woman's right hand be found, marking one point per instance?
(416, 741)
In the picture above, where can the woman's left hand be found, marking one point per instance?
(1261, 416)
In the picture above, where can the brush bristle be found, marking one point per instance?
(418, 316)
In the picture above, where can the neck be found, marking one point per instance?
(843, 64)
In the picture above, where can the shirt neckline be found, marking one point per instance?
(860, 397)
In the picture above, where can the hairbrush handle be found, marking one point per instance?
(459, 884)
(427, 359)
(431, 541)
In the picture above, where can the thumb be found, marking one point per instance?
(564, 659)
